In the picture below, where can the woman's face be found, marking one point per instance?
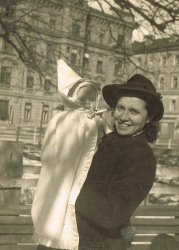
(130, 115)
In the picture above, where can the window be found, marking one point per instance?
(74, 57)
(120, 39)
(174, 82)
(45, 113)
(8, 11)
(175, 59)
(68, 49)
(32, 46)
(163, 61)
(34, 20)
(4, 106)
(47, 85)
(30, 80)
(86, 61)
(7, 47)
(161, 83)
(101, 37)
(27, 112)
(5, 76)
(50, 52)
(88, 34)
(75, 29)
(138, 61)
(99, 67)
(11, 114)
(52, 23)
(172, 106)
(117, 68)
(150, 61)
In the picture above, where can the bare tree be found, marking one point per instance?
(159, 16)
(22, 26)
(153, 19)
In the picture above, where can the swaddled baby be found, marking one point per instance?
(67, 151)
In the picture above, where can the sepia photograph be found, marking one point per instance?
(89, 125)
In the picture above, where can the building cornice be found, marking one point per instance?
(109, 17)
(155, 46)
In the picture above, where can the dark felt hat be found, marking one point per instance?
(137, 86)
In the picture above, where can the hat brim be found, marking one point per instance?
(112, 92)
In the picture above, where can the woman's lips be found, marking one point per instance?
(124, 125)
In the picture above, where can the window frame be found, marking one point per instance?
(47, 85)
(172, 105)
(5, 76)
(76, 29)
(174, 85)
(99, 66)
(45, 113)
(73, 58)
(5, 108)
(27, 111)
(161, 85)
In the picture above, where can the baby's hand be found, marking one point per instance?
(91, 114)
(128, 233)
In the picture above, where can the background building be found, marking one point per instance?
(159, 60)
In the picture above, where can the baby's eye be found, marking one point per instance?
(81, 99)
(92, 99)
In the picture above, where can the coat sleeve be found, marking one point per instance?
(113, 208)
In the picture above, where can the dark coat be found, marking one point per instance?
(120, 177)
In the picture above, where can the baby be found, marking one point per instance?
(85, 94)
(67, 151)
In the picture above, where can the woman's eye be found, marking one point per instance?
(120, 108)
(134, 112)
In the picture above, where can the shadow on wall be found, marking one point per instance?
(11, 159)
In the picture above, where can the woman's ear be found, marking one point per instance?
(149, 119)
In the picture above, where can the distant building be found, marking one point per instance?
(159, 60)
(90, 41)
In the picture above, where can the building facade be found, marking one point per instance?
(91, 42)
(159, 60)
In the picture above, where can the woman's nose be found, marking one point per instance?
(124, 116)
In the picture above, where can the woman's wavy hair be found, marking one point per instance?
(151, 129)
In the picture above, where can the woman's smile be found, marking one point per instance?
(124, 124)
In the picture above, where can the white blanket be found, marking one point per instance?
(65, 164)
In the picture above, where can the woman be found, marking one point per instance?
(123, 168)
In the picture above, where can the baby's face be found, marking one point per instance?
(86, 97)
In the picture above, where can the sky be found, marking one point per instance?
(137, 34)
